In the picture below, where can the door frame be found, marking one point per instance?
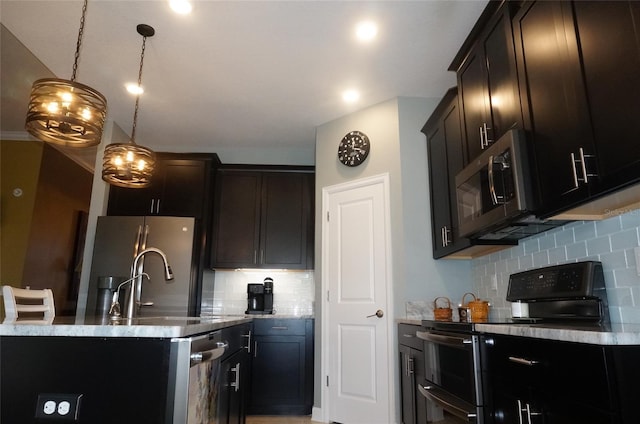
(391, 355)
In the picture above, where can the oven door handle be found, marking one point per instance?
(430, 392)
(442, 339)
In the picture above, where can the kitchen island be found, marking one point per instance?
(137, 372)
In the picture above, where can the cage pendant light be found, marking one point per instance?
(129, 164)
(65, 112)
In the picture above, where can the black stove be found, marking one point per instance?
(561, 296)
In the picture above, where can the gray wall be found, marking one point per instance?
(399, 149)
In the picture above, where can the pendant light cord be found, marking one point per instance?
(79, 42)
(135, 112)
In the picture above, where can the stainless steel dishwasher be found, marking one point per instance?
(194, 379)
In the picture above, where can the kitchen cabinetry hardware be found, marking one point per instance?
(484, 136)
(523, 361)
(280, 327)
(379, 313)
(527, 409)
(446, 236)
(248, 345)
(236, 382)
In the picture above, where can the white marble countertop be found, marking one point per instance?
(150, 327)
(617, 334)
(145, 327)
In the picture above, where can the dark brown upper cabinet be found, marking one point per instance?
(180, 186)
(263, 218)
(487, 80)
(444, 149)
(578, 65)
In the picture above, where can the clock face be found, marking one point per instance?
(354, 148)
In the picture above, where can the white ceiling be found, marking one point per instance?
(232, 74)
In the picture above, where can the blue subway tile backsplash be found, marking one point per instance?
(611, 241)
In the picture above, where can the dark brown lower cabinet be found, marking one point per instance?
(413, 405)
(537, 381)
(282, 368)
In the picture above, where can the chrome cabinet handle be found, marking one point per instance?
(280, 328)
(481, 139)
(248, 337)
(520, 409)
(410, 366)
(531, 414)
(444, 234)
(523, 361)
(153, 202)
(573, 170)
(236, 382)
(379, 313)
(157, 206)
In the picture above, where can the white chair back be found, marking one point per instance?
(15, 306)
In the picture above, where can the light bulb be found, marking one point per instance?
(130, 157)
(117, 161)
(86, 114)
(141, 164)
(53, 107)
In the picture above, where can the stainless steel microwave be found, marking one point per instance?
(495, 193)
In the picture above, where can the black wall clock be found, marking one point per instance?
(354, 148)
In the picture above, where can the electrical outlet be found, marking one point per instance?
(58, 406)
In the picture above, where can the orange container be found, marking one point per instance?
(442, 313)
(479, 308)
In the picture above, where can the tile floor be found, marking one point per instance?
(280, 419)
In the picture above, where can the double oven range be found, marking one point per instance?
(456, 372)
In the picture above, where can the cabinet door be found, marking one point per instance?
(473, 100)
(444, 147)
(286, 223)
(236, 238)
(407, 386)
(181, 190)
(610, 54)
(488, 86)
(503, 99)
(278, 375)
(553, 99)
(234, 388)
(263, 220)
(178, 187)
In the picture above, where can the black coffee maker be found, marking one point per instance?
(260, 297)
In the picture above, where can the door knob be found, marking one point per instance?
(378, 314)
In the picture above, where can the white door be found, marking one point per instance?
(357, 272)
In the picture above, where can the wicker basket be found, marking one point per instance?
(442, 314)
(479, 308)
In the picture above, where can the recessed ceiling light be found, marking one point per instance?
(366, 30)
(134, 88)
(350, 96)
(182, 7)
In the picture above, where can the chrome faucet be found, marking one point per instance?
(136, 279)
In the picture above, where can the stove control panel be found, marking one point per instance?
(577, 280)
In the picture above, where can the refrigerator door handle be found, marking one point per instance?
(136, 245)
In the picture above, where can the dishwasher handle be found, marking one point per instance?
(208, 355)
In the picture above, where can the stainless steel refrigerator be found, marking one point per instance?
(120, 238)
